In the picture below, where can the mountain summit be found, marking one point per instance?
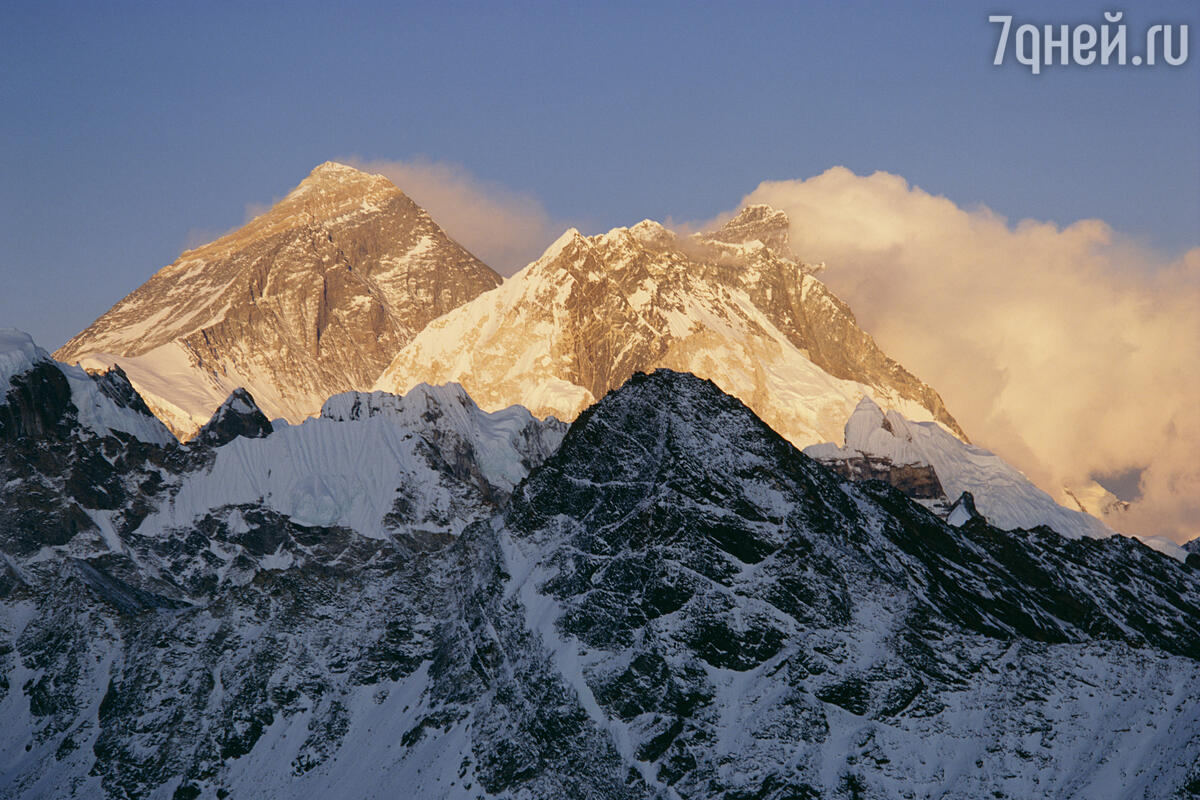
(760, 223)
(312, 298)
(410, 597)
(733, 305)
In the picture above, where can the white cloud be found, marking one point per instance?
(505, 229)
(1070, 351)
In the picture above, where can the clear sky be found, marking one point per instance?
(128, 129)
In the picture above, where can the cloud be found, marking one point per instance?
(503, 228)
(1070, 351)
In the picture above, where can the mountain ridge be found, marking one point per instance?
(889, 447)
(592, 311)
(308, 299)
(674, 602)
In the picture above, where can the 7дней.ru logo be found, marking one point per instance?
(1037, 46)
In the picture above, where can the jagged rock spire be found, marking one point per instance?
(238, 416)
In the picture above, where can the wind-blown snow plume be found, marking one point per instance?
(504, 228)
(1070, 351)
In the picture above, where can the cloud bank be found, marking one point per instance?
(1070, 351)
(504, 229)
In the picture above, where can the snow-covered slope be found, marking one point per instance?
(373, 463)
(592, 311)
(86, 455)
(18, 354)
(103, 404)
(312, 298)
(502, 446)
(1005, 497)
(675, 604)
(1092, 498)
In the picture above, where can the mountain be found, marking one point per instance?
(742, 623)
(310, 299)
(1092, 498)
(83, 454)
(238, 416)
(408, 595)
(928, 464)
(111, 531)
(733, 305)
(346, 277)
(39, 392)
(420, 466)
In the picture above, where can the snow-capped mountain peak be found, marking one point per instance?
(18, 354)
(762, 223)
(311, 298)
(238, 416)
(594, 310)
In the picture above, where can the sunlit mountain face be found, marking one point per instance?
(311, 298)
(328, 508)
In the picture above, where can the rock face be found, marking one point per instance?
(918, 481)
(310, 299)
(69, 442)
(676, 603)
(1192, 549)
(931, 466)
(733, 305)
(963, 511)
(238, 416)
(40, 395)
(748, 626)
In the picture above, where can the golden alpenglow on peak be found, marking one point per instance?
(309, 299)
(760, 223)
(578, 432)
(733, 306)
(334, 180)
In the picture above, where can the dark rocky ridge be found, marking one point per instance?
(676, 604)
(237, 416)
(36, 403)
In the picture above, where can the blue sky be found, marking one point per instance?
(128, 127)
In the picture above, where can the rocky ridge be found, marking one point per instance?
(933, 467)
(674, 603)
(592, 311)
(312, 298)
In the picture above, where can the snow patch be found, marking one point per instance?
(1003, 495)
(18, 354)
